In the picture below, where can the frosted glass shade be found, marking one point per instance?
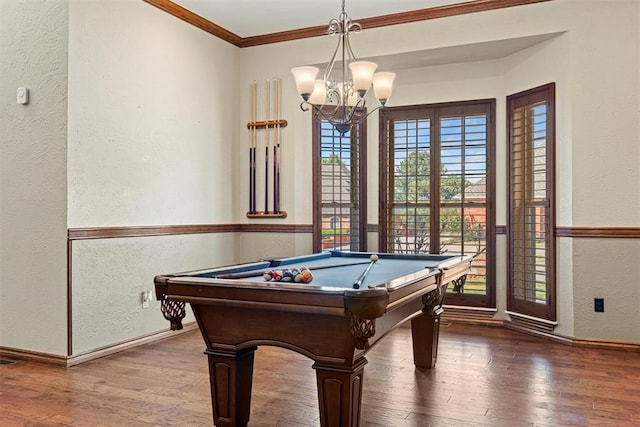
(383, 86)
(319, 94)
(305, 80)
(362, 74)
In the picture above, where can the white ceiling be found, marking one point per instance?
(247, 18)
(458, 54)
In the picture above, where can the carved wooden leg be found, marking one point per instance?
(231, 377)
(340, 394)
(425, 330)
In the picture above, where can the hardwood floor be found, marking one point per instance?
(484, 377)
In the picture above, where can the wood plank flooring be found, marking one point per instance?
(484, 377)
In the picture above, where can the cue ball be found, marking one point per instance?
(373, 258)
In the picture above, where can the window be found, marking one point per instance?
(531, 248)
(437, 188)
(339, 185)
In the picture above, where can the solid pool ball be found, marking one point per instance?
(307, 276)
(277, 275)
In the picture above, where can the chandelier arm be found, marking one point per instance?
(347, 58)
(360, 104)
(329, 69)
(379, 107)
(352, 56)
(346, 86)
(331, 117)
(305, 106)
(319, 111)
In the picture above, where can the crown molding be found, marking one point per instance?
(302, 33)
(196, 20)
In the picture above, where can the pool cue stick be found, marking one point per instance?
(360, 279)
(276, 147)
(255, 142)
(267, 143)
(279, 137)
(256, 273)
(250, 140)
(252, 148)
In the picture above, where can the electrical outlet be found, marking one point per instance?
(598, 305)
(145, 299)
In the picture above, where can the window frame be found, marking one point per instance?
(435, 112)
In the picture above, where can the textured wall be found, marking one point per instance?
(33, 180)
(609, 269)
(151, 99)
(110, 274)
(605, 114)
(150, 102)
(603, 137)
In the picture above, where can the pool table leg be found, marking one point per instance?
(340, 393)
(425, 330)
(231, 377)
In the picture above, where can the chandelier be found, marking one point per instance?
(339, 97)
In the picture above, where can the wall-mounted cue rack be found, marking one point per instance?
(271, 137)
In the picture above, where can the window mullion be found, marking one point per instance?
(436, 165)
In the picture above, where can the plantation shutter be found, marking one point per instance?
(339, 199)
(531, 203)
(410, 188)
(437, 188)
(464, 185)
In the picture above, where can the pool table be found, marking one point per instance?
(327, 320)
